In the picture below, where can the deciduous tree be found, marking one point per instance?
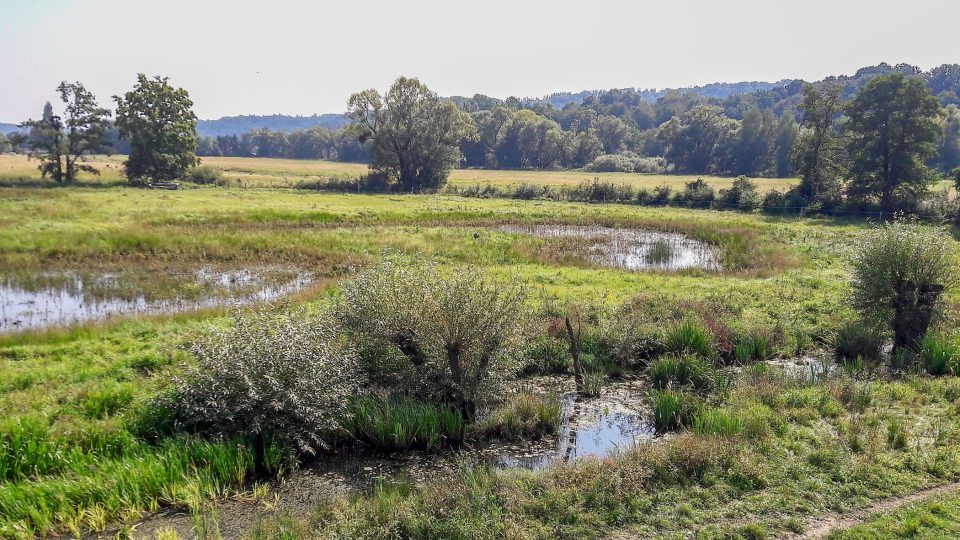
(415, 135)
(894, 129)
(159, 122)
(62, 143)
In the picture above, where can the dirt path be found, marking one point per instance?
(822, 526)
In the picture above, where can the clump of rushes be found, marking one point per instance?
(939, 355)
(593, 383)
(857, 339)
(752, 347)
(718, 422)
(674, 371)
(524, 416)
(404, 423)
(690, 337)
(674, 409)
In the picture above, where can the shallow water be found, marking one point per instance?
(44, 299)
(589, 427)
(631, 249)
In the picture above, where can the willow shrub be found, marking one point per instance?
(272, 378)
(449, 337)
(901, 270)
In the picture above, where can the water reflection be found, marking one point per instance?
(38, 300)
(631, 249)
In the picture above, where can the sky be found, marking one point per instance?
(305, 57)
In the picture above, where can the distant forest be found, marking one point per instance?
(744, 128)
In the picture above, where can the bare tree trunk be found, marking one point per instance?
(574, 340)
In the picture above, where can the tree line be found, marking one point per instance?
(878, 138)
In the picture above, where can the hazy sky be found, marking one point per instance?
(304, 57)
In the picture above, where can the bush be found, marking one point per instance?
(774, 202)
(939, 355)
(269, 377)
(670, 372)
(689, 337)
(674, 409)
(697, 194)
(901, 271)
(597, 191)
(525, 416)
(857, 340)
(448, 338)
(205, 174)
(403, 423)
(627, 162)
(742, 195)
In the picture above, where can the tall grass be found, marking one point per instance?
(717, 422)
(940, 355)
(674, 409)
(678, 371)
(525, 416)
(690, 337)
(403, 423)
(172, 473)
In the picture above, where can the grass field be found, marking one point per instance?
(75, 453)
(268, 172)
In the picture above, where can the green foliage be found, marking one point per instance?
(62, 143)
(158, 121)
(675, 409)
(819, 156)
(415, 135)
(547, 356)
(403, 423)
(901, 271)
(690, 337)
(743, 195)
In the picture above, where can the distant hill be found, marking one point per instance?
(713, 90)
(7, 129)
(235, 125)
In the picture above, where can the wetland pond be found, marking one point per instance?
(630, 249)
(31, 300)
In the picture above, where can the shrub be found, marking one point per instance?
(281, 377)
(689, 337)
(404, 423)
(525, 416)
(670, 371)
(697, 194)
(627, 162)
(900, 273)
(774, 202)
(450, 337)
(857, 340)
(939, 355)
(205, 174)
(742, 195)
(661, 194)
(674, 409)
(597, 191)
